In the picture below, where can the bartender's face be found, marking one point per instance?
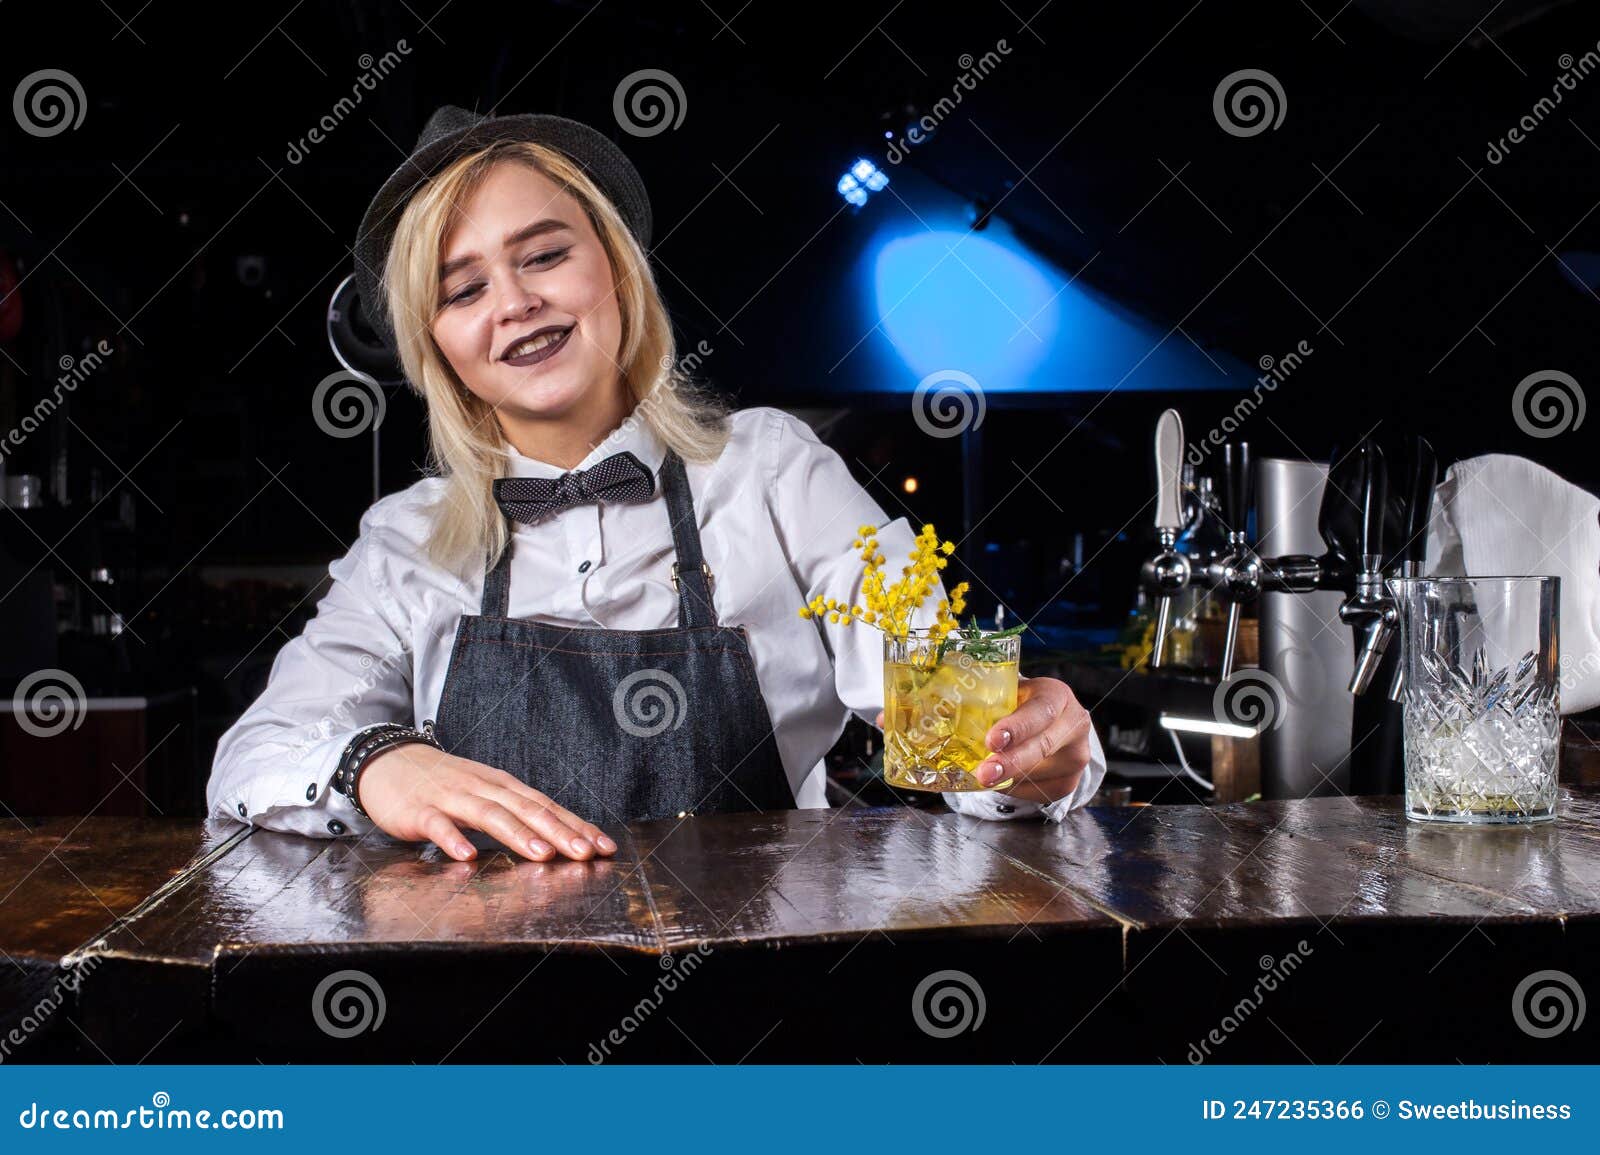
(525, 260)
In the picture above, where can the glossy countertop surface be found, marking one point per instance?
(181, 892)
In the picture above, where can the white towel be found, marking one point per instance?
(1505, 515)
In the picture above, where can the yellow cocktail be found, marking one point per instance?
(940, 699)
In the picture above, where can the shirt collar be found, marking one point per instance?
(633, 436)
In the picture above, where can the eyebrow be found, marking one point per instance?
(537, 228)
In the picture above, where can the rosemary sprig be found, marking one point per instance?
(979, 646)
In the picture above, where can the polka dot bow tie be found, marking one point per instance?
(620, 477)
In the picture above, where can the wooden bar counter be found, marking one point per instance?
(1326, 930)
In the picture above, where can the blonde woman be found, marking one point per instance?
(590, 608)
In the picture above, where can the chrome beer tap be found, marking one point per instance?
(1355, 521)
(1351, 521)
(1242, 573)
(1168, 571)
(1237, 575)
(1369, 609)
(1350, 530)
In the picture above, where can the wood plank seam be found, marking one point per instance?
(656, 928)
(155, 898)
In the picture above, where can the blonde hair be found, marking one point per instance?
(467, 445)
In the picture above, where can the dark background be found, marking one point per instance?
(1370, 224)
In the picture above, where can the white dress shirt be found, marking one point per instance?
(777, 514)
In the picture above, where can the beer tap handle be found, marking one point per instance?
(1369, 609)
(1169, 472)
(1338, 519)
(1422, 475)
(1236, 488)
(1236, 482)
(1419, 500)
(1168, 571)
(1374, 504)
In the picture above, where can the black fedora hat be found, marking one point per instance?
(453, 132)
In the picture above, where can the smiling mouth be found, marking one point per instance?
(532, 350)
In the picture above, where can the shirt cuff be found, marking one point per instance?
(991, 804)
(297, 801)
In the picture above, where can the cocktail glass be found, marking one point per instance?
(940, 699)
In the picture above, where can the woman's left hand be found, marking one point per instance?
(1043, 745)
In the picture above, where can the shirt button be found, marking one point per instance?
(1004, 808)
(584, 568)
(241, 810)
(311, 792)
(335, 826)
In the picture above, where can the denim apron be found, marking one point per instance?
(617, 725)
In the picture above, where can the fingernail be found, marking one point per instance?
(1004, 740)
(464, 850)
(605, 844)
(539, 847)
(581, 846)
(989, 773)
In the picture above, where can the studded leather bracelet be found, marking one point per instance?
(366, 744)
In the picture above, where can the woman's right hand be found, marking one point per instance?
(416, 792)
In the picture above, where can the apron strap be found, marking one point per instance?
(497, 580)
(695, 608)
(694, 590)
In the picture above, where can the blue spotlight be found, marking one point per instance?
(862, 178)
(951, 299)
